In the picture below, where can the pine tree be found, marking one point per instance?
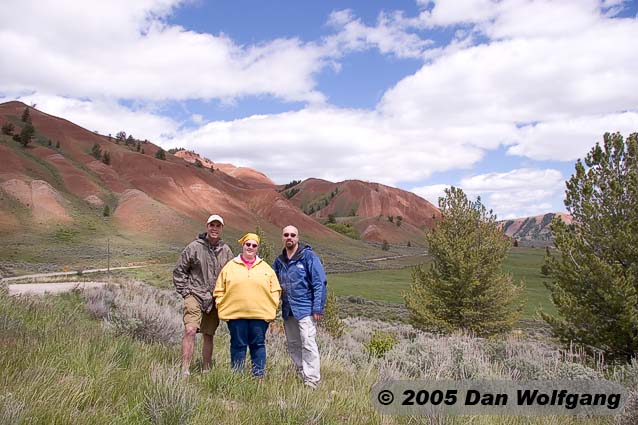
(26, 116)
(26, 134)
(106, 158)
(465, 287)
(106, 212)
(96, 151)
(7, 128)
(594, 279)
(331, 321)
(266, 249)
(160, 154)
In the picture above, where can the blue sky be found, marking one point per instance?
(497, 97)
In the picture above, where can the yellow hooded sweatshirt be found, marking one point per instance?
(242, 293)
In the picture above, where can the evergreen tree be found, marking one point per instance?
(26, 116)
(198, 163)
(331, 321)
(7, 128)
(120, 136)
(26, 134)
(96, 151)
(385, 245)
(106, 212)
(160, 154)
(266, 250)
(57, 144)
(106, 158)
(594, 280)
(465, 287)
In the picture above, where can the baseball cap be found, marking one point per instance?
(215, 217)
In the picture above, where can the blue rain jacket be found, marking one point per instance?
(303, 283)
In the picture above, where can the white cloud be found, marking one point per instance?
(124, 50)
(389, 35)
(570, 139)
(105, 116)
(517, 193)
(431, 193)
(329, 143)
(546, 81)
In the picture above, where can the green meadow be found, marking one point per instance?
(389, 285)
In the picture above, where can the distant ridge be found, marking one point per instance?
(533, 229)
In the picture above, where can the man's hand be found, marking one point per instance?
(317, 316)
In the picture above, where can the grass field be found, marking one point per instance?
(389, 285)
(60, 364)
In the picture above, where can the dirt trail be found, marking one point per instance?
(50, 288)
(75, 272)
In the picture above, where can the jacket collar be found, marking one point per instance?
(202, 239)
(284, 256)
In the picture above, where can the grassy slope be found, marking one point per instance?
(58, 365)
(388, 285)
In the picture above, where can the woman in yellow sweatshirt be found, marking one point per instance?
(247, 294)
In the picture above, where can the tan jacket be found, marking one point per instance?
(197, 269)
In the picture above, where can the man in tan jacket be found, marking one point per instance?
(194, 278)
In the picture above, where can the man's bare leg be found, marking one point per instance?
(188, 342)
(207, 352)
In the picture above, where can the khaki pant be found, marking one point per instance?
(206, 323)
(302, 347)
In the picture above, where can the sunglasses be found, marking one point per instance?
(251, 245)
(292, 235)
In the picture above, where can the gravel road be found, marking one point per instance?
(50, 288)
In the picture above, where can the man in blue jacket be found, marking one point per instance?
(303, 283)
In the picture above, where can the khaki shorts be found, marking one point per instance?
(193, 315)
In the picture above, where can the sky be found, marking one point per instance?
(498, 97)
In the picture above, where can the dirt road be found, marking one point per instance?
(75, 272)
(50, 288)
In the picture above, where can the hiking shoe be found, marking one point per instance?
(311, 385)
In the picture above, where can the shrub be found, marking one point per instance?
(380, 343)
(198, 163)
(344, 229)
(96, 151)
(385, 245)
(331, 321)
(8, 128)
(145, 313)
(167, 397)
(290, 193)
(160, 154)
(106, 157)
(106, 212)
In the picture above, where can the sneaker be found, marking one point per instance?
(310, 384)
